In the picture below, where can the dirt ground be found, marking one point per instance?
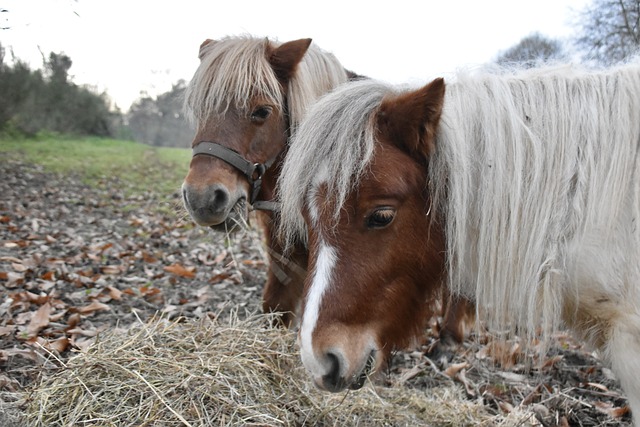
(76, 260)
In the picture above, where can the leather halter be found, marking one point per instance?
(252, 171)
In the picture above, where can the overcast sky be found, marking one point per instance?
(129, 46)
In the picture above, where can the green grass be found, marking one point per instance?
(139, 168)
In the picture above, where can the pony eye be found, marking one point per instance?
(380, 218)
(260, 114)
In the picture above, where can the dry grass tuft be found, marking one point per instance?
(231, 373)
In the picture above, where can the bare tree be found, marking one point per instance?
(609, 30)
(532, 50)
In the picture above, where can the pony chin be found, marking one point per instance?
(236, 220)
(337, 361)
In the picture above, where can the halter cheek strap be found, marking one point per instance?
(252, 171)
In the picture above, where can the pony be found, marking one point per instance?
(246, 98)
(519, 189)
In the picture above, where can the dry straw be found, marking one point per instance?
(224, 373)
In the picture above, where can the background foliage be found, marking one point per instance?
(47, 100)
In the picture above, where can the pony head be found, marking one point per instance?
(358, 172)
(245, 98)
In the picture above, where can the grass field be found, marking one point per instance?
(97, 161)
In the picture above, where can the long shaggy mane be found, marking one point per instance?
(536, 176)
(236, 68)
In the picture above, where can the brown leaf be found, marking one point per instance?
(83, 332)
(181, 271)
(49, 276)
(551, 362)
(148, 258)
(35, 298)
(505, 406)
(7, 330)
(92, 308)
(73, 320)
(410, 373)
(612, 411)
(59, 345)
(221, 256)
(462, 377)
(454, 368)
(219, 277)
(114, 293)
(20, 268)
(39, 320)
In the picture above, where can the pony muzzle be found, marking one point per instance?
(338, 376)
(215, 206)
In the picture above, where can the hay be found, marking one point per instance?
(231, 373)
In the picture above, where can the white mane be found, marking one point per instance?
(535, 173)
(234, 69)
(542, 192)
(334, 147)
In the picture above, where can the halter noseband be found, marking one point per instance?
(252, 171)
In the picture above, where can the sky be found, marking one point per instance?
(129, 47)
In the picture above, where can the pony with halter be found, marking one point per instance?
(519, 189)
(246, 98)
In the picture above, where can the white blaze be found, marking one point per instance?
(321, 280)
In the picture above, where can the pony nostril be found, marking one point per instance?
(220, 198)
(332, 380)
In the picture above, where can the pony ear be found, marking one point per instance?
(410, 120)
(285, 58)
(204, 44)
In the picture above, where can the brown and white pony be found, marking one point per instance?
(520, 189)
(246, 98)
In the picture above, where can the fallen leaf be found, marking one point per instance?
(410, 373)
(462, 377)
(612, 411)
(148, 258)
(19, 267)
(49, 276)
(219, 277)
(221, 256)
(181, 271)
(73, 320)
(93, 307)
(505, 406)
(552, 361)
(7, 330)
(114, 293)
(454, 368)
(59, 345)
(39, 320)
